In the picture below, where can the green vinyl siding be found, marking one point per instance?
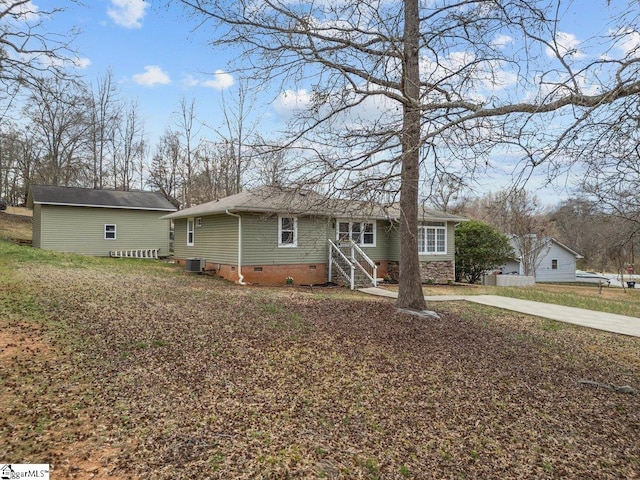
(260, 241)
(81, 229)
(394, 243)
(215, 240)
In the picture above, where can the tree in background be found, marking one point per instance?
(59, 115)
(581, 224)
(105, 112)
(387, 84)
(519, 215)
(479, 247)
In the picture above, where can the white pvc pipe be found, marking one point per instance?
(240, 276)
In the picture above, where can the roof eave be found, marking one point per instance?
(123, 207)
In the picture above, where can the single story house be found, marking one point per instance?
(269, 235)
(554, 262)
(99, 222)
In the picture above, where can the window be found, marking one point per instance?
(190, 236)
(432, 238)
(287, 232)
(362, 233)
(109, 232)
(554, 264)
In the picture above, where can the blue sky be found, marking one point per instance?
(158, 57)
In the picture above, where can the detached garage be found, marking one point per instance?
(98, 222)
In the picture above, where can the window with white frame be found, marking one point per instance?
(362, 233)
(554, 264)
(110, 232)
(287, 231)
(432, 238)
(190, 233)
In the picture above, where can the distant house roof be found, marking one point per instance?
(88, 197)
(545, 241)
(272, 200)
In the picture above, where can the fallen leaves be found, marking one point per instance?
(184, 376)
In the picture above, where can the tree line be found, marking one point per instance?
(607, 241)
(71, 133)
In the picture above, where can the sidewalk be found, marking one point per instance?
(609, 322)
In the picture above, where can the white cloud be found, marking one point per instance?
(128, 13)
(221, 80)
(502, 41)
(190, 81)
(630, 40)
(153, 75)
(58, 62)
(289, 101)
(567, 45)
(24, 12)
(81, 62)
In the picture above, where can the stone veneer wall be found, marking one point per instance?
(438, 272)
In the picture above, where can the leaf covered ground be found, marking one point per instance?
(116, 369)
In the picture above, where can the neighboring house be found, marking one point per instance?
(266, 235)
(98, 222)
(553, 262)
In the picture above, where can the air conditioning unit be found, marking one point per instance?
(193, 265)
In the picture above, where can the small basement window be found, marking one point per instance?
(109, 232)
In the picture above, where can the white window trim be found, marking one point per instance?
(115, 229)
(295, 232)
(557, 264)
(360, 244)
(191, 221)
(423, 228)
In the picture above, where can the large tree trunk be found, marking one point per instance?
(410, 294)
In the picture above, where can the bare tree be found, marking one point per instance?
(612, 175)
(448, 192)
(105, 111)
(164, 172)
(391, 82)
(270, 167)
(59, 120)
(237, 132)
(519, 215)
(129, 149)
(28, 51)
(216, 177)
(583, 225)
(185, 129)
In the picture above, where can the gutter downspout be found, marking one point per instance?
(240, 276)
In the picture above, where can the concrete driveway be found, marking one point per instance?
(609, 322)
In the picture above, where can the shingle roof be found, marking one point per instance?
(88, 197)
(295, 202)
